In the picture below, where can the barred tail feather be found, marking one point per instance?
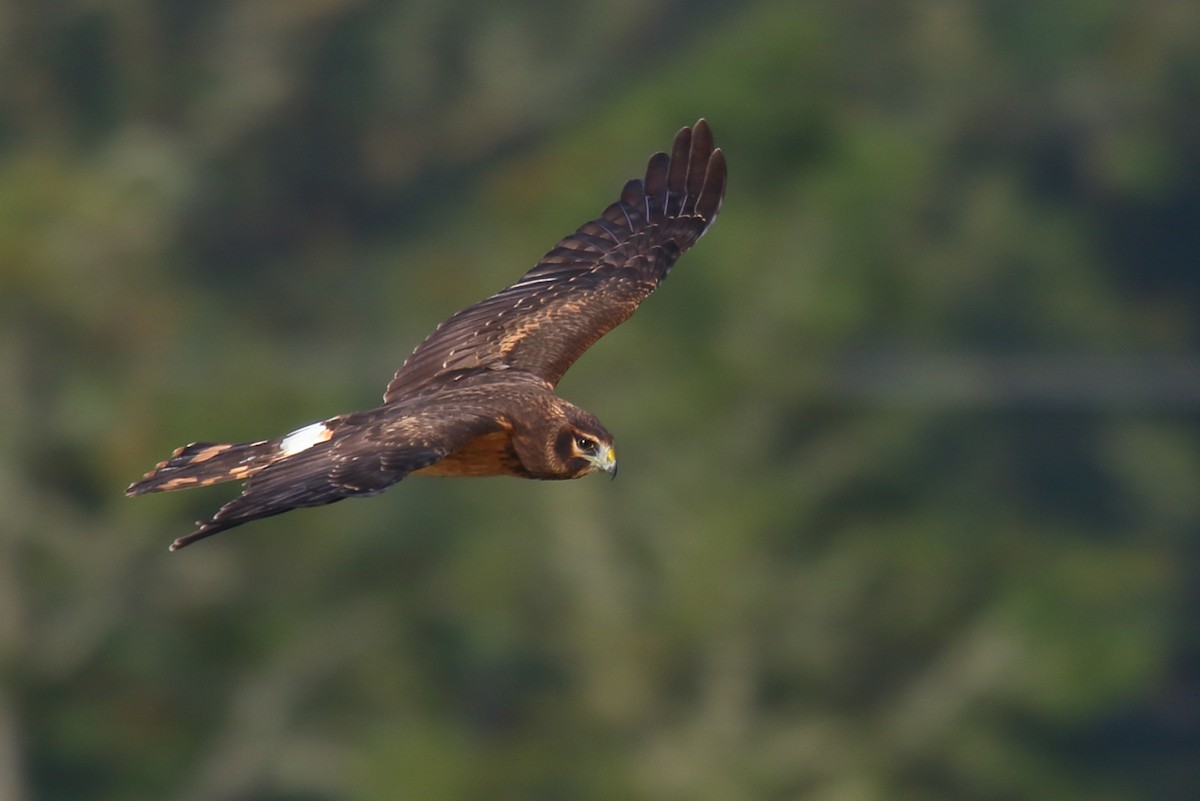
(201, 464)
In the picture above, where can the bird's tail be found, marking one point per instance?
(203, 463)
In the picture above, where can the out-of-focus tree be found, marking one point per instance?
(909, 449)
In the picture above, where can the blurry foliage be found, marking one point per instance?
(908, 501)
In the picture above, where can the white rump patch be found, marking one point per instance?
(304, 438)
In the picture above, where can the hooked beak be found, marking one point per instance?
(607, 461)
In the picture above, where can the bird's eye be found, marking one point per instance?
(584, 444)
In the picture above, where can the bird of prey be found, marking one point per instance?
(476, 398)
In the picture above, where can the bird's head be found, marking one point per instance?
(583, 445)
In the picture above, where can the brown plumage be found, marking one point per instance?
(476, 398)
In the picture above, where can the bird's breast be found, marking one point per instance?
(487, 455)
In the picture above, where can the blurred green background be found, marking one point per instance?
(909, 504)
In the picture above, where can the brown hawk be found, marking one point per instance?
(476, 398)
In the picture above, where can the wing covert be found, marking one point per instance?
(590, 282)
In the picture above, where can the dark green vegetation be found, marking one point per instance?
(909, 503)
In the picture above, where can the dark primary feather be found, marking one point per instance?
(368, 452)
(589, 282)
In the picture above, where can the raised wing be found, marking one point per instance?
(589, 283)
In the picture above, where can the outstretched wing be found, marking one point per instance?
(365, 455)
(590, 282)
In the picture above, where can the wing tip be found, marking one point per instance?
(657, 170)
(187, 539)
(708, 204)
(707, 171)
(204, 529)
(680, 177)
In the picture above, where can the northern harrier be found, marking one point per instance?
(476, 398)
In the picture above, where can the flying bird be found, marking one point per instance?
(476, 398)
